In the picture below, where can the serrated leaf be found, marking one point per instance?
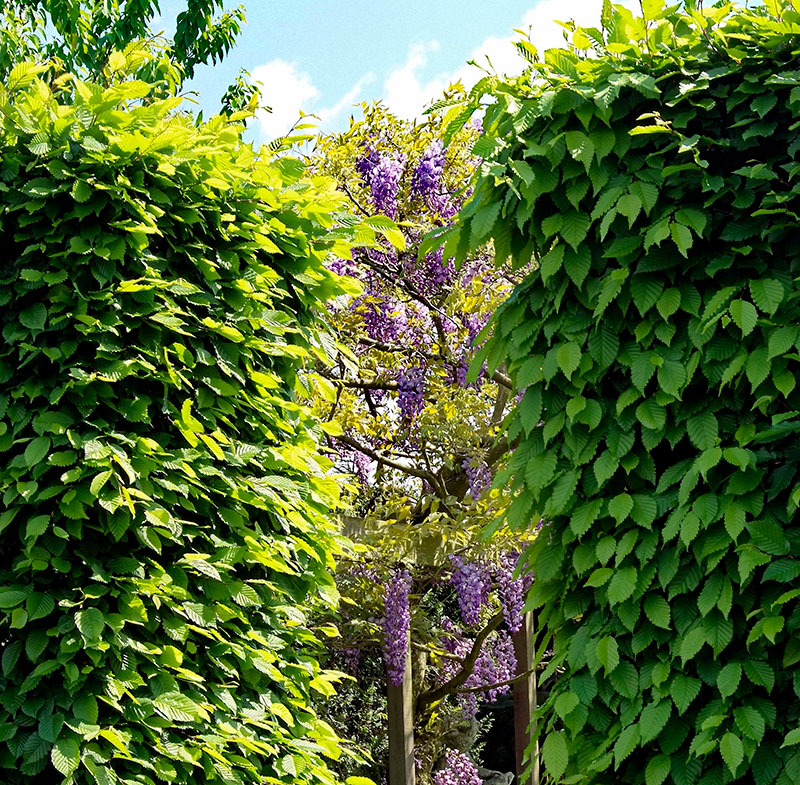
(682, 238)
(730, 747)
(691, 643)
(656, 608)
(574, 228)
(91, 623)
(568, 357)
(683, 691)
(35, 317)
(622, 585)
(703, 430)
(767, 294)
(653, 719)
(555, 754)
(744, 315)
(66, 756)
(177, 707)
(728, 679)
(657, 770)
(608, 653)
(626, 743)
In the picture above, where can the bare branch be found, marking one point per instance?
(486, 687)
(382, 459)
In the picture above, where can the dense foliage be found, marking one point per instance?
(82, 34)
(164, 523)
(651, 170)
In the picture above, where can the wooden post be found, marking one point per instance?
(401, 728)
(525, 702)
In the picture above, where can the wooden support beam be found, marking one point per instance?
(525, 703)
(401, 729)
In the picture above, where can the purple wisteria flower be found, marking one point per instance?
(478, 476)
(411, 392)
(512, 591)
(472, 584)
(458, 770)
(396, 625)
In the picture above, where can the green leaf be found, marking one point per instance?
(626, 743)
(767, 294)
(620, 507)
(668, 303)
(657, 770)
(574, 228)
(657, 610)
(551, 262)
(99, 481)
(757, 367)
(682, 237)
(10, 598)
(691, 643)
(630, 206)
(81, 191)
(565, 703)
(744, 316)
(483, 222)
(683, 691)
(728, 679)
(703, 430)
(35, 317)
(608, 653)
(653, 719)
(750, 722)
(732, 751)
(651, 415)
(66, 756)
(177, 707)
(91, 623)
(555, 754)
(622, 585)
(568, 357)
(792, 737)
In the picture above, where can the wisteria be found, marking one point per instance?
(471, 582)
(396, 625)
(479, 477)
(411, 392)
(512, 591)
(383, 174)
(458, 770)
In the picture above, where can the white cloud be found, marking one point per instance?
(328, 114)
(402, 90)
(407, 92)
(286, 91)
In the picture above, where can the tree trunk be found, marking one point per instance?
(401, 729)
(525, 705)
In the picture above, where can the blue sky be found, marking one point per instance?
(324, 56)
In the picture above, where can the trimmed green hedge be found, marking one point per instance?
(164, 525)
(654, 179)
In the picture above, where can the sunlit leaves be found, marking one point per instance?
(126, 545)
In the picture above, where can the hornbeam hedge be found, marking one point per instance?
(652, 171)
(164, 526)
